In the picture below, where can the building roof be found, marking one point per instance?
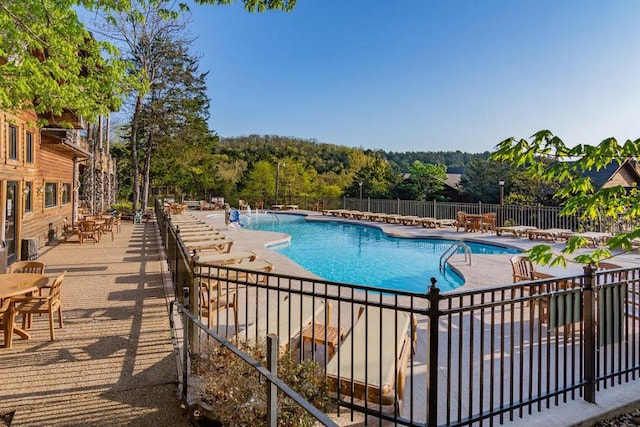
(601, 177)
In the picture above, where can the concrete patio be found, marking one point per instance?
(113, 362)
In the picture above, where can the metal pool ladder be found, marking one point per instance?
(453, 249)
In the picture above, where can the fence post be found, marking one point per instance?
(272, 392)
(433, 295)
(185, 350)
(589, 336)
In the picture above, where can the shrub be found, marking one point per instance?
(237, 396)
(122, 206)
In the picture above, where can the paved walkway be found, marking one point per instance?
(112, 363)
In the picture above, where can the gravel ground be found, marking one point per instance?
(629, 419)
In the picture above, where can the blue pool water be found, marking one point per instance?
(362, 255)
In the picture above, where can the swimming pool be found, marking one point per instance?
(362, 255)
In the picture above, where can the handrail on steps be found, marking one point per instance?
(453, 249)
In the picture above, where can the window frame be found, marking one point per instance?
(28, 157)
(12, 143)
(28, 197)
(50, 193)
(65, 196)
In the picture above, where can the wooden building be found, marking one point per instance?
(40, 178)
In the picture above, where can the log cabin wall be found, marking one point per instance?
(19, 151)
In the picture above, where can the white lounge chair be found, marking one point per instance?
(378, 343)
(287, 320)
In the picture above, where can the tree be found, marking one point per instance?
(260, 181)
(50, 62)
(176, 111)
(377, 179)
(423, 181)
(480, 179)
(545, 155)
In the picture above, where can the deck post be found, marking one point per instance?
(589, 336)
(433, 294)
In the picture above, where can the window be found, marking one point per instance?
(66, 193)
(28, 187)
(13, 142)
(50, 194)
(29, 148)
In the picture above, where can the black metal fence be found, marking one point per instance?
(537, 215)
(458, 358)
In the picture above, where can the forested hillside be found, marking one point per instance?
(324, 157)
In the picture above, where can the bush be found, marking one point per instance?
(237, 396)
(122, 206)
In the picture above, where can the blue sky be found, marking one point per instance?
(421, 75)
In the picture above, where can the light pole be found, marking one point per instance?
(360, 183)
(501, 183)
(289, 185)
(278, 179)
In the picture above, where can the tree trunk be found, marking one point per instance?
(145, 173)
(134, 152)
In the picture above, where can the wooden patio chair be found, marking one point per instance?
(462, 221)
(522, 268)
(69, 231)
(48, 304)
(488, 222)
(89, 231)
(35, 267)
(108, 226)
(213, 299)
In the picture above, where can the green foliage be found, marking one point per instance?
(423, 182)
(237, 397)
(479, 182)
(122, 206)
(546, 157)
(48, 60)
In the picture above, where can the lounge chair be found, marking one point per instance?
(216, 258)
(198, 237)
(427, 221)
(594, 238)
(294, 313)
(447, 222)
(251, 271)
(516, 230)
(377, 344)
(409, 219)
(221, 245)
(549, 233)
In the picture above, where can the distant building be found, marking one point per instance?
(626, 174)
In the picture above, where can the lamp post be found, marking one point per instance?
(278, 179)
(360, 184)
(501, 183)
(289, 185)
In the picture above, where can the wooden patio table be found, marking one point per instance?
(12, 285)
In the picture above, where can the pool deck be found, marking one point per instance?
(484, 271)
